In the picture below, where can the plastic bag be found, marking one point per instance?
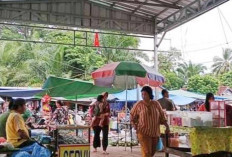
(40, 151)
(35, 150)
(159, 145)
(22, 154)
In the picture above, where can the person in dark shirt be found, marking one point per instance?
(165, 102)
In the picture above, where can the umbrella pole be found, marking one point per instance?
(76, 111)
(126, 109)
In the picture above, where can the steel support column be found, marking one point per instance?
(156, 58)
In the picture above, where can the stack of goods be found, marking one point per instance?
(123, 141)
(120, 140)
(218, 109)
(189, 119)
(69, 137)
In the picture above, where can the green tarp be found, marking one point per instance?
(71, 89)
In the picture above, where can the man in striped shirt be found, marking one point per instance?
(147, 116)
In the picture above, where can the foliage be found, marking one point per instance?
(203, 84)
(172, 81)
(168, 61)
(187, 70)
(226, 79)
(30, 64)
(115, 55)
(224, 64)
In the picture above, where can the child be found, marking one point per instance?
(101, 107)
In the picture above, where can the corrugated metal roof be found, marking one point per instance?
(164, 11)
(148, 8)
(146, 17)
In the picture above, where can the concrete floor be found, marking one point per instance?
(120, 152)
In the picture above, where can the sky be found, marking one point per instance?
(200, 39)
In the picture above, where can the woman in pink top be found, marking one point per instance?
(208, 100)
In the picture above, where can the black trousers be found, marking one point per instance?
(105, 132)
(97, 141)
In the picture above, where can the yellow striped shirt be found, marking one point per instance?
(147, 118)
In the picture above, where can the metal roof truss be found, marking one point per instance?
(146, 17)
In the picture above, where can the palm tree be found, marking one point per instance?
(224, 64)
(187, 70)
(115, 55)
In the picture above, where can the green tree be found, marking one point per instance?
(86, 58)
(30, 64)
(89, 59)
(168, 61)
(173, 81)
(224, 64)
(203, 84)
(120, 41)
(187, 70)
(226, 79)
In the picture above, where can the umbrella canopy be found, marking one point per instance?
(71, 89)
(117, 74)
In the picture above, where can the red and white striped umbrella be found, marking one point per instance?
(120, 74)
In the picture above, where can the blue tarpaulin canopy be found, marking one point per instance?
(193, 95)
(181, 100)
(179, 97)
(132, 96)
(20, 93)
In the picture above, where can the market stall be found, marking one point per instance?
(72, 140)
(199, 133)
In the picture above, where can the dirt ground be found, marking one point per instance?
(120, 152)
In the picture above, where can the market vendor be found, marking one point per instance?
(17, 133)
(206, 106)
(167, 103)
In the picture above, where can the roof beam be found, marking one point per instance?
(166, 9)
(165, 3)
(138, 7)
(105, 17)
(146, 3)
(115, 6)
(144, 12)
(188, 13)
